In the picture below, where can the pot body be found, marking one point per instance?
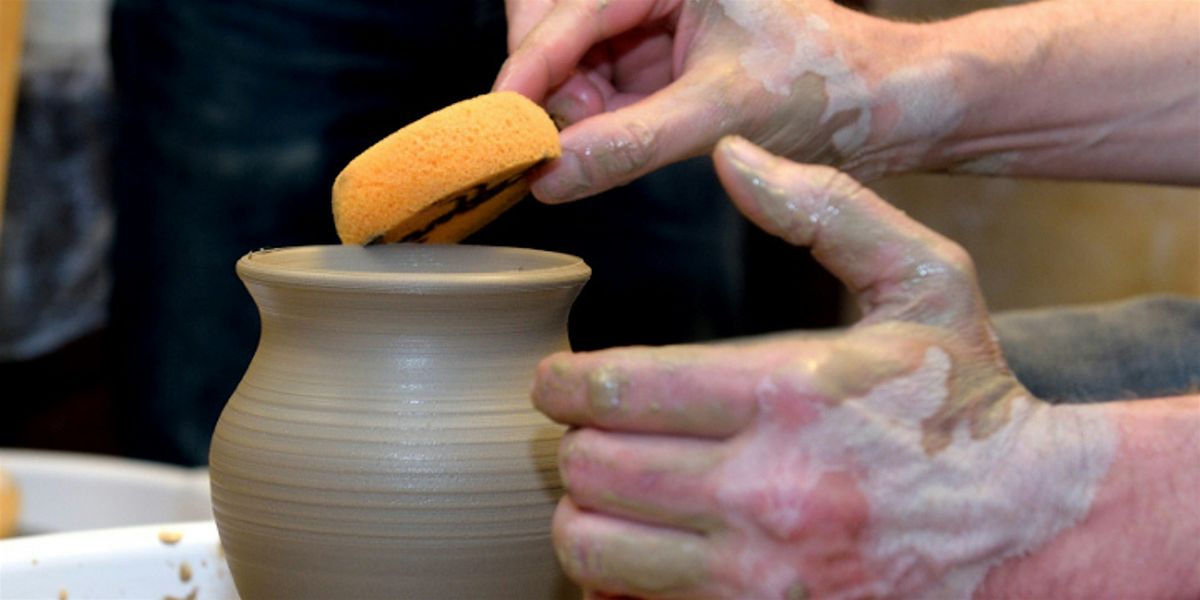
(382, 442)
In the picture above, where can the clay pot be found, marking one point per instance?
(382, 442)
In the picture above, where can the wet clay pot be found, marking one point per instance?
(382, 442)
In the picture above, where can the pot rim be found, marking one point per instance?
(317, 266)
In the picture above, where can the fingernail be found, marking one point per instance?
(752, 163)
(743, 154)
(502, 76)
(777, 208)
(563, 180)
(564, 110)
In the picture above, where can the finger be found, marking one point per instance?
(697, 391)
(583, 95)
(553, 48)
(642, 60)
(660, 480)
(898, 268)
(600, 83)
(678, 122)
(522, 16)
(619, 557)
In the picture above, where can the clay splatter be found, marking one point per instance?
(604, 391)
(191, 595)
(169, 537)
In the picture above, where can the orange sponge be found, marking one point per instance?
(446, 175)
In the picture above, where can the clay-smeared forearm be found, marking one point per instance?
(1067, 89)
(1141, 536)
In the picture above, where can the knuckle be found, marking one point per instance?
(840, 184)
(836, 186)
(773, 507)
(951, 266)
(957, 258)
(830, 191)
(629, 150)
(783, 395)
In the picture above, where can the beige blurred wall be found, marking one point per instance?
(1039, 243)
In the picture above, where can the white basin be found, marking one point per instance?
(180, 561)
(107, 528)
(62, 491)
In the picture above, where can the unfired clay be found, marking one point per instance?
(382, 442)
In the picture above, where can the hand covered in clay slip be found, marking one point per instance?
(898, 458)
(639, 84)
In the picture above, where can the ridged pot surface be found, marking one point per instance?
(382, 443)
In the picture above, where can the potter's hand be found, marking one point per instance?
(645, 83)
(1070, 89)
(900, 457)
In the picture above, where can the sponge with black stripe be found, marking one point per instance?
(446, 175)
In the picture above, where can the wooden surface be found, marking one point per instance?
(1045, 243)
(12, 18)
(1049, 243)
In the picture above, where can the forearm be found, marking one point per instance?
(1141, 538)
(1063, 89)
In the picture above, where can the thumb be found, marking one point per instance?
(612, 148)
(522, 16)
(897, 267)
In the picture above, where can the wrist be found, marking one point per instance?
(1069, 89)
(976, 93)
(1141, 535)
(936, 100)
(918, 100)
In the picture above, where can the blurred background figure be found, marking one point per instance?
(235, 117)
(230, 120)
(56, 233)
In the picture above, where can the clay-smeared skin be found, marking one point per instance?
(898, 458)
(644, 83)
(794, 76)
(772, 72)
